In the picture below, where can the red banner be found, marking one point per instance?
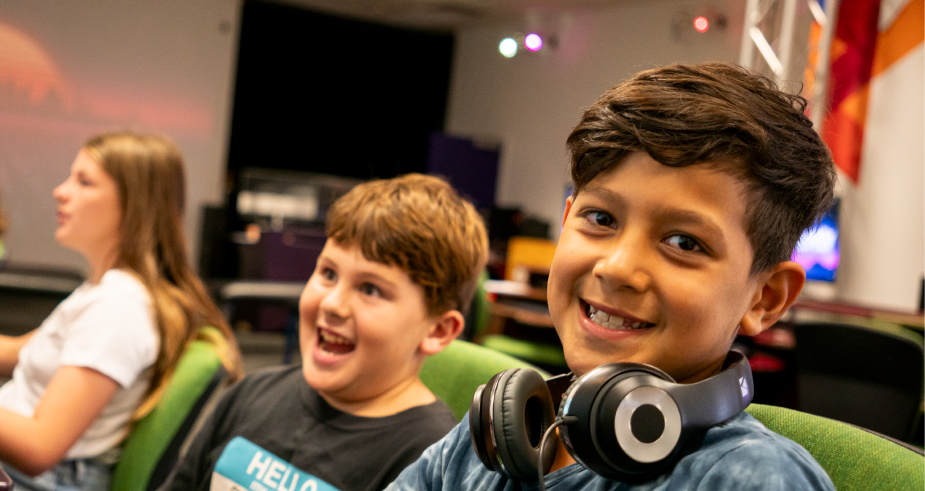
(852, 56)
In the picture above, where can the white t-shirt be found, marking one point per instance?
(109, 327)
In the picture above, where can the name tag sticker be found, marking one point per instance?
(243, 466)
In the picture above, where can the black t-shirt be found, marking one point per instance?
(277, 410)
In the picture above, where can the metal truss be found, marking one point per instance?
(776, 42)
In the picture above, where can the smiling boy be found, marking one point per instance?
(692, 186)
(390, 288)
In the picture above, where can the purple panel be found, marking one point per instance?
(470, 168)
(290, 255)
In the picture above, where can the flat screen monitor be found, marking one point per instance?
(818, 249)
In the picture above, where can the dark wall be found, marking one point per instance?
(338, 96)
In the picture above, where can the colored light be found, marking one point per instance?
(701, 24)
(533, 42)
(508, 47)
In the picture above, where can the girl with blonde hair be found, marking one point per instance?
(101, 360)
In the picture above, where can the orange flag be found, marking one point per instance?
(852, 55)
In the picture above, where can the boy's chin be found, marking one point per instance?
(579, 365)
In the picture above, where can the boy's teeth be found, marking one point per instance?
(611, 321)
(334, 343)
(334, 338)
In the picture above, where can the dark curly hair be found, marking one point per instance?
(717, 114)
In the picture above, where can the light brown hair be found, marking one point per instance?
(149, 175)
(420, 224)
(724, 115)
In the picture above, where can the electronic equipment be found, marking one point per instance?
(818, 249)
(623, 421)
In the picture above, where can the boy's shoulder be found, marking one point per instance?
(285, 385)
(743, 453)
(739, 454)
(266, 386)
(267, 378)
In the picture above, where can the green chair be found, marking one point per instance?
(545, 355)
(854, 458)
(150, 451)
(455, 373)
(541, 354)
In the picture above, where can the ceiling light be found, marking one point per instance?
(508, 47)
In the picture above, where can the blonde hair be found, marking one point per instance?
(420, 224)
(149, 174)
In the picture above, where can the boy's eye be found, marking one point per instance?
(683, 242)
(370, 289)
(328, 274)
(599, 218)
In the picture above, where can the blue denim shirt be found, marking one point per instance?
(740, 454)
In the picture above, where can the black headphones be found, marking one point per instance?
(623, 421)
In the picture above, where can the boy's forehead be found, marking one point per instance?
(725, 166)
(384, 266)
(340, 249)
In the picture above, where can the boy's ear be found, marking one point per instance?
(778, 289)
(444, 330)
(568, 207)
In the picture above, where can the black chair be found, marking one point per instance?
(28, 294)
(861, 375)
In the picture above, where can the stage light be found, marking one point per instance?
(701, 24)
(533, 42)
(508, 47)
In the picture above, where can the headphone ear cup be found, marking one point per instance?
(479, 424)
(521, 414)
(626, 427)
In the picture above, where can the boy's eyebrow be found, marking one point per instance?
(372, 275)
(689, 217)
(601, 192)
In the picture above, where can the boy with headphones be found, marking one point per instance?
(390, 287)
(692, 186)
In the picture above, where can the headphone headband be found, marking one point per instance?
(624, 421)
(718, 398)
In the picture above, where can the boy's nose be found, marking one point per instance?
(624, 267)
(335, 303)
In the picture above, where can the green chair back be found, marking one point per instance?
(455, 373)
(855, 459)
(151, 449)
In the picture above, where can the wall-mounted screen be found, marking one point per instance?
(818, 249)
(330, 95)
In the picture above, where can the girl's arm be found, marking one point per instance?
(9, 352)
(75, 397)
